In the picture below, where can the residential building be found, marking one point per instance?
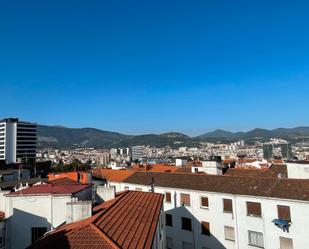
(217, 211)
(17, 141)
(33, 211)
(132, 220)
(137, 152)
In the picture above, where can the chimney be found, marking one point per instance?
(105, 193)
(212, 166)
(78, 210)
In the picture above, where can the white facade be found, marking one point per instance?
(47, 211)
(180, 162)
(238, 220)
(298, 170)
(17, 141)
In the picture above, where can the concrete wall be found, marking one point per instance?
(298, 170)
(78, 210)
(106, 193)
(25, 212)
(238, 219)
(159, 239)
(84, 195)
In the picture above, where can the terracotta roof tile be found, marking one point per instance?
(50, 189)
(284, 188)
(64, 181)
(112, 175)
(129, 221)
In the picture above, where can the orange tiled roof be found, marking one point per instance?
(162, 168)
(112, 175)
(129, 222)
(43, 189)
(64, 181)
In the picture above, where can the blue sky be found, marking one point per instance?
(155, 66)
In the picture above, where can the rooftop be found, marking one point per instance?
(296, 189)
(272, 171)
(64, 181)
(129, 221)
(7, 185)
(112, 175)
(43, 189)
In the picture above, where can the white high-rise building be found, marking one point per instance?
(17, 141)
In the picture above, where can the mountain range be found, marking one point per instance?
(63, 137)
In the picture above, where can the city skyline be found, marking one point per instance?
(153, 68)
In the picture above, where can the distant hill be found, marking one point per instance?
(63, 137)
(259, 133)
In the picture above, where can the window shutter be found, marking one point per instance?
(168, 197)
(204, 201)
(286, 243)
(205, 228)
(229, 233)
(227, 205)
(254, 208)
(284, 213)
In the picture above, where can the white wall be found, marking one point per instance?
(25, 212)
(238, 219)
(298, 170)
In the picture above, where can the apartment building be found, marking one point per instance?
(130, 220)
(214, 211)
(33, 211)
(17, 141)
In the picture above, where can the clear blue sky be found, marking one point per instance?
(155, 66)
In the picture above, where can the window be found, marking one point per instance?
(286, 243)
(126, 188)
(256, 239)
(37, 232)
(169, 242)
(205, 228)
(254, 209)
(186, 245)
(138, 189)
(196, 170)
(186, 224)
(169, 220)
(168, 197)
(185, 199)
(284, 213)
(229, 233)
(227, 206)
(204, 202)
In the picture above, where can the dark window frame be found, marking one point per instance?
(186, 224)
